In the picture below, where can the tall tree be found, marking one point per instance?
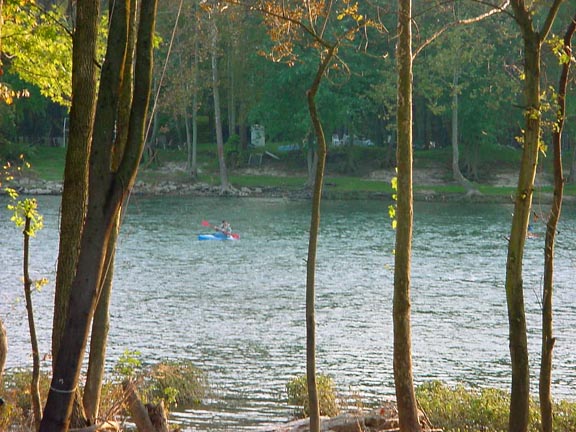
(327, 25)
(548, 339)
(107, 190)
(73, 204)
(403, 377)
(214, 55)
(533, 39)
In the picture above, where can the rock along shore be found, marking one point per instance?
(34, 187)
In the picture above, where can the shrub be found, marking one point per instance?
(459, 409)
(297, 390)
(176, 382)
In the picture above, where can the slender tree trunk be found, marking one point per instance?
(3, 351)
(99, 335)
(35, 381)
(520, 391)
(405, 397)
(3, 337)
(231, 93)
(313, 244)
(456, 172)
(188, 129)
(572, 174)
(548, 339)
(217, 114)
(192, 150)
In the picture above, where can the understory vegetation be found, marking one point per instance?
(48, 164)
(452, 409)
(177, 384)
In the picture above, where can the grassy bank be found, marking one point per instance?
(288, 173)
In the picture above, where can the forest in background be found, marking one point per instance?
(472, 70)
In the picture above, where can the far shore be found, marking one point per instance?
(35, 187)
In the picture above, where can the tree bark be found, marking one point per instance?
(3, 351)
(99, 336)
(35, 380)
(313, 244)
(76, 168)
(456, 172)
(107, 192)
(548, 339)
(224, 186)
(137, 409)
(520, 392)
(403, 380)
(3, 338)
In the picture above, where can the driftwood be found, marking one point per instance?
(105, 426)
(149, 418)
(384, 419)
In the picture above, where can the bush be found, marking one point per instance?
(459, 409)
(176, 382)
(297, 390)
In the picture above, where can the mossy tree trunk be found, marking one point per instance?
(403, 380)
(548, 339)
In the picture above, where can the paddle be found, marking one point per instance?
(208, 224)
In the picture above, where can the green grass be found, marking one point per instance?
(48, 162)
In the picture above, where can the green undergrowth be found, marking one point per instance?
(176, 383)
(450, 408)
(297, 391)
(461, 409)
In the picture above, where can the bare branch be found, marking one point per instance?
(466, 21)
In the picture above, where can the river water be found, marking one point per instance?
(236, 309)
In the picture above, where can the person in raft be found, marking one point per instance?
(225, 228)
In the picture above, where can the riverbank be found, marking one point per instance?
(431, 183)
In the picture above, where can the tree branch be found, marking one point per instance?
(495, 10)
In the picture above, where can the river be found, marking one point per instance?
(236, 308)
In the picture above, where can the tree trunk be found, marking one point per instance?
(224, 186)
(192, 167)
(520, 392)
(100, 324)
(3, 351)
(572, 175)
(76, 168)
(231, 93)
(35, 381)
(456, 172)
(551, 229)
(3, 338)
(313, 244)
(403, 380)
(107, 192)
(99, 335)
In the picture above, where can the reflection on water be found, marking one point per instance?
(237, 308)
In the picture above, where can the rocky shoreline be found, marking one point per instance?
(33, 187)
